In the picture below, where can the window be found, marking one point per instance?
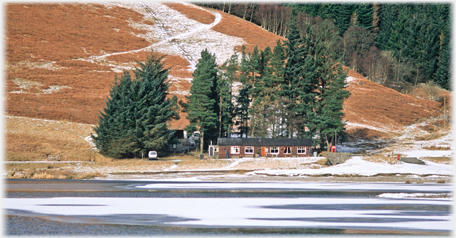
(287, 150)
(274, 150)
(301, 150)
(249, 150)
(234, 149)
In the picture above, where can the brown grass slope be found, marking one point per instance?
(373, 104)
(63, 34)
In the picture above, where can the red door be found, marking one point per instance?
(263, 152)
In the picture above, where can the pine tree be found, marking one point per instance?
(227, 110)
(136, 113)
(292, 70)
(272, 87)
(329, 120)
(330, 96)
(202, 104)
(388, 15)
(242, 110)
(262, 95)
(254, 80)
(308, 84)
(365, 15)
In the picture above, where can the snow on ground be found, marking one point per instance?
(175, 34)
(350, 79)
(350, 125)
(438, 196)
(344, 148)
(428, 153)
(357, 166)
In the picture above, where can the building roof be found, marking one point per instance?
(263, 142)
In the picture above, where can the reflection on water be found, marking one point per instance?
(188, 208)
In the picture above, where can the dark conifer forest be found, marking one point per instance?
(396, 45)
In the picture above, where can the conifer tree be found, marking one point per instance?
(225, 90)
(242, 110)
(273, 85)
(293, 70)
(202, 104)
(134, 119)
(307, 85)
(262, 94)
(331, 84)
(329, 120)
(388, 15)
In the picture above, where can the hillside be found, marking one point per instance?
(63, 58)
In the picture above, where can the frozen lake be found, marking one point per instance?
(193, 207)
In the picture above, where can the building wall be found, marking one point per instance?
(242, 154)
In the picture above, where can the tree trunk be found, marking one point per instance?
(220, 117)
(245, 11)
(251, 13)
(375, 19)
(328, 144)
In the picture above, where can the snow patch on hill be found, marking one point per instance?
(350, 125)
(175, 34)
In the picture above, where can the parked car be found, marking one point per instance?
(152, 155)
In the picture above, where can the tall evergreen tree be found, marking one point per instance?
(262, 95)
(242, 110)
(202, 104)
(225, 90)
(137, 111)
(365, 15)
(329, 121)
(308, 84)
(388, 15)
(272, 87)
(443, 22)
(331, 82)
(292, 71)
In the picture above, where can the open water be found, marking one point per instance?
(140, 208)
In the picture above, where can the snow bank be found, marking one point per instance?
(428, 153)
(357, 166)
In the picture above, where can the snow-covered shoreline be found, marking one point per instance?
(357, 166)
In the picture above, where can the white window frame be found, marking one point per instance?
(233, 150)
(277, 148)
(251, 148)
(301, 148)
(285, 148)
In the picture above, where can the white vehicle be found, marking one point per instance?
(152, 155)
